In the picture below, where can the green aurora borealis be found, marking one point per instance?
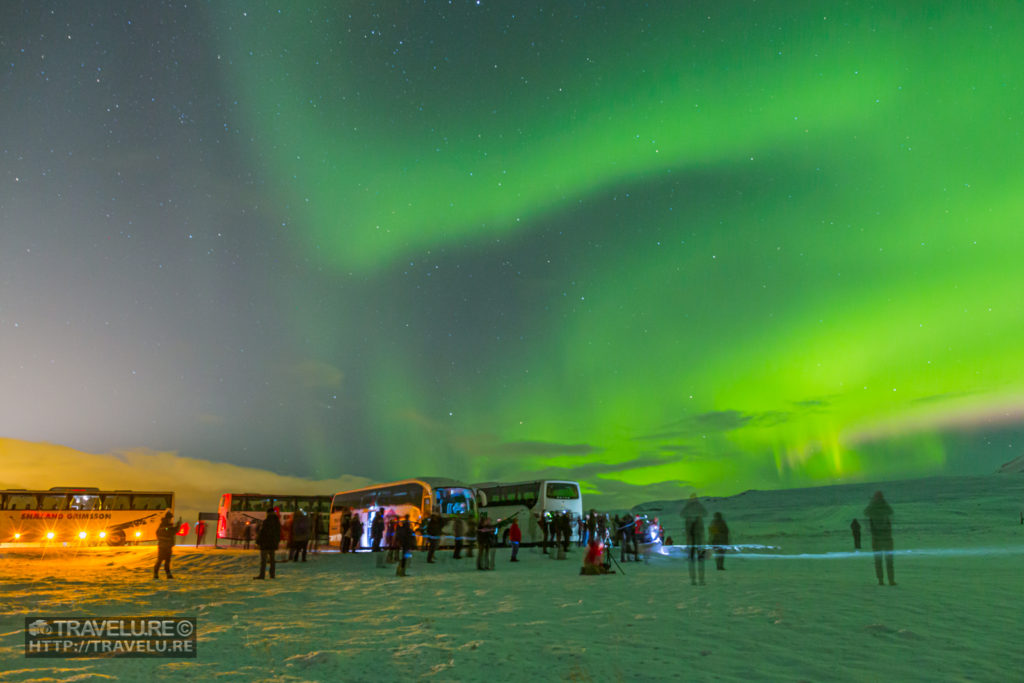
(754, 246)
(665, 244)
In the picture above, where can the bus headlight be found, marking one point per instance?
(103, 534)
(17, 536)
(82, 535)
(138, 534)
(49, 535)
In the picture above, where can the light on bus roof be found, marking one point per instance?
(82, 534)
(49, 535)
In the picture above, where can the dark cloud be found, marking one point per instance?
(541, 448)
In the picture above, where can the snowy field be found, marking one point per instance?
(807, 609)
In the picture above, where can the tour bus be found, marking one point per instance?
(530, 499)
(240, 511)
(81, 516)
(417, 498)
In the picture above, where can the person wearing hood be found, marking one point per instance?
(879, 514)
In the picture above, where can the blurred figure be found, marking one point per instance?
(593, 561)
(459, 529)
(405, 539)
(301, 528)
(164, 545)
(542, 521)
(484, 540)
(267, 540)
(718, 533)
(693, 516)
(434, 529)
(377, 530)
(200, 533)
(855, 528)
(515, 536)
(879, 515)
(355, 532)
(246, 535)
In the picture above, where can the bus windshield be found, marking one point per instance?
(563, 490)
(454, 501)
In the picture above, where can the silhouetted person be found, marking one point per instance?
(693, 516)
(405, 539)
(267, 541)
(855, 528)
(434, 529)
(484, 540)
(301, 528)
(718, 533)
(542, 521)
(247, 535)
(164, 545)
(879, 515)
(377, 530)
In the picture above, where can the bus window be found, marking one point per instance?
(20, 501)
(284, 504)
(560, 491)
(85, 502)
(117, 501)
(239, 503)
(53, 501)
(261, 504)
(150, 502)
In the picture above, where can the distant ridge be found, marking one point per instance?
(1014, 466)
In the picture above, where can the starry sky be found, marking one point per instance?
(654, 247)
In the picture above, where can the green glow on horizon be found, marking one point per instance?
(859, 261)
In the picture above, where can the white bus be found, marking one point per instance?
(239, 512)
(531, 499)
(417, 498)
(81, 516)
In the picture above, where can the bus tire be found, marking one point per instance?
(116, 538)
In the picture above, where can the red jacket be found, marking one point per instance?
(514, 533)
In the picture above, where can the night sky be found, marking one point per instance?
(672, 244)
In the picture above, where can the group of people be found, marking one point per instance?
(398, 536)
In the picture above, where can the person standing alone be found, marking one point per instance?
(267, 541)
(165, 534)
(879, 514)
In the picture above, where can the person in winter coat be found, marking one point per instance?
(515, 537)
(301, 528)
(855, 528)
(693, 516)
(718, 533)
(165, 533)
(879, 515)
(267, 541)
(405, 539)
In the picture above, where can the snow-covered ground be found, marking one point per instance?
(806, 609)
